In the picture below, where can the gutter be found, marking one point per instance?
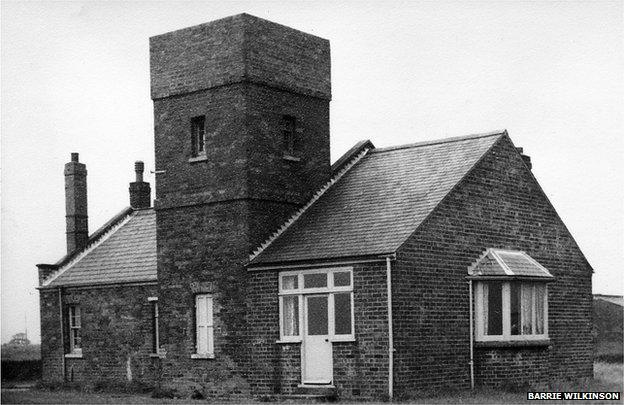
(472, 382)
(390, 332)
(60, 297)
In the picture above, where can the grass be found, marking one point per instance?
(607, 377)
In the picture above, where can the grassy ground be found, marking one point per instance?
(608, 377)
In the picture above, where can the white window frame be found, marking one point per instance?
(330, 290)
(208, 325)
(506, 312)
(74, 313)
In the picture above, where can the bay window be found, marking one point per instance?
(511, 310)
(510, 296)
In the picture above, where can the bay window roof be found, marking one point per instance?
(499, 263)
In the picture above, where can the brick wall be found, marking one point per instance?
(201, 249)
(360, 367)
(498, 205)
(244, 147)
(116, 330)
(243, 74)
(513, 367)
(237, 48)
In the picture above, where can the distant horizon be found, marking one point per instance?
(75, 78)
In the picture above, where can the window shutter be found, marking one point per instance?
(204, 322)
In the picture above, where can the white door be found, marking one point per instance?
(317, 349)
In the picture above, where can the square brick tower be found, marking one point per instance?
(241, 113)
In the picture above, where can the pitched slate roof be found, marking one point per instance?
(507, 263)
(123, 251)
(381, 200)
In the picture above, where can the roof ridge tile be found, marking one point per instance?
(440, 141)
(89, 248)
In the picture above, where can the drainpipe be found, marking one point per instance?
(472, 383)
(60, 297)
(390, 333)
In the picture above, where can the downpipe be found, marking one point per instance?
(390, 332)
(60, 300)
(472, 382)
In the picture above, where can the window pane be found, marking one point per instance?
(540, 292)
(317, 315)
(290, 282)
(76, 342)
(527, 309)
(201, 311)
(197, 134)
(493, 311)
(202, 339)
(342, 279)
(317, 280)
(342, 313)
(290, 312)
(514, 302)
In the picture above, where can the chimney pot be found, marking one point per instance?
(138, 169)
(74, 157)
(140, 191)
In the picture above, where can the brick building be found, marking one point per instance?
(264, 269)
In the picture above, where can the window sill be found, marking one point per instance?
(200, 158)
(202, 356)
(291, 158)
(342, 339)
(73, 356)
(514, 343)
(158, 355)
(287, 341)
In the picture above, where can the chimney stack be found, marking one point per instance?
(76, 218)
(140, 190)
(525, 158)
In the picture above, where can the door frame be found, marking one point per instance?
(330, 290)
(304, 334)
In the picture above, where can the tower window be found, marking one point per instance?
(198, 132)
(289, 134)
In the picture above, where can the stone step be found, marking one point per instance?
(321, 390)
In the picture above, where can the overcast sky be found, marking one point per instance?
(75, 78)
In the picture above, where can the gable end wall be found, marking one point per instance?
(498, 204)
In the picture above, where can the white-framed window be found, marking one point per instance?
(204, 326)
(511, 310)
(75, 325)
(337, 283)
(155, 327)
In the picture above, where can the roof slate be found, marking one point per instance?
(126, 255)
(379, 202)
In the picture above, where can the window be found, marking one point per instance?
(332, 312)
(75, 341)
(155, 331)
(514, 310)
(204, 326)
(289, 134)
(198, 132)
